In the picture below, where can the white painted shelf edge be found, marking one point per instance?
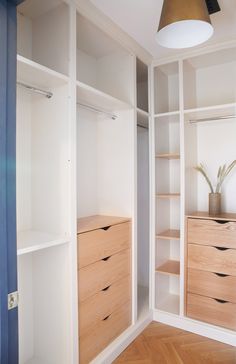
(167, 114)
(143, 112)
(35, 74)
(91, 96)
(210, 111)
(31, 241)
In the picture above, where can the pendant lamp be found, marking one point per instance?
(184, 24)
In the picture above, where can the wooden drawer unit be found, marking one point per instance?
(102, 274)
(101, 243)
(212, 232)
(213, 311)
(212, 259)
(102, 304)
(104, 278)
(213, 285)
(103, 332)
(210, 287)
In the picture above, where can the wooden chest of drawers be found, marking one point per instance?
(104, 271)
(211, 269)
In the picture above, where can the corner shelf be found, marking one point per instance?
(168, 156)
(169, 235)
(34, 74)
(31, 241)
(169, 304)
(168, 195)
(93, 97)
(171, 267)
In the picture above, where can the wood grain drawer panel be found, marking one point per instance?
(211, 232)
(209, 310)
(212, 285)
(97, 276)
(212, 259)
(101, 305)
(98, 244)
(103, 333)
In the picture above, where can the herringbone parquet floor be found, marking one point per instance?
(161, 344)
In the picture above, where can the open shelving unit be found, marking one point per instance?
(168, 197)
(43, 182)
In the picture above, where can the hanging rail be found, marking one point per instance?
(217, 118)
(98, 111)
(47, 94)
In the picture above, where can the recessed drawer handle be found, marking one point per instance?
(219, 248)
(106, 259)
(220, 301)
(106, 318)
(222, 222)
(106, 289)
(221, 275)
(106, 228)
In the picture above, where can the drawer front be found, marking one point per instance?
(97, 276)
(212, 259)
(211, 232)
(104, 303)
(213, 285)
(211, 311)
(104, 332)
(98, 244)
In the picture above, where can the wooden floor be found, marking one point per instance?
(161, 344)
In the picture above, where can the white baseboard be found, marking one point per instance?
(121, 343)
(196, 327)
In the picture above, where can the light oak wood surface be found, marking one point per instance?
(168, 156)
(169, 267)
(224, 216)
(97, 276)
(103, 332)
(211, 311)
(98, 222)
(98, 244)
(211, 232)
(162, 344)
(212, 285)
(212, 259)
(104, 303)
(169, 235)
(168, 195)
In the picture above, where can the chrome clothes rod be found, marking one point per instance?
(217, 118)
(142, 126)
(98, 111)
(39, 91)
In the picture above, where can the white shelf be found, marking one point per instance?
(210, 111)
(34, 74)
(142, 118)
(32, 241)
(170, 304)
(93, 97)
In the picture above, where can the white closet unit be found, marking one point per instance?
(194, 117)
(43, 183)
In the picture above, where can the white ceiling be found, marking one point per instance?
(140, 18)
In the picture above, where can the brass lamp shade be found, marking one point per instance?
(184, 23)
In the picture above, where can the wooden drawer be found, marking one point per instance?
(101, 305)
(98, 244)
(212, 232)
(212, 259)
(97, 276)
(212, 285)
(211, 311)
(104, 332)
